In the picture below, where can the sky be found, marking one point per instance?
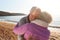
(24, 6)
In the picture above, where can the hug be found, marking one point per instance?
(34, 26)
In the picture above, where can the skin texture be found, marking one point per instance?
(34, 14)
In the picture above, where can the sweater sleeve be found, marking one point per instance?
(20, 30)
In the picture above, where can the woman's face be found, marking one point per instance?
(35, 14)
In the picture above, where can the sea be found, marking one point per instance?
(17, 18)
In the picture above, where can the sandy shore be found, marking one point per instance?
(7, 34)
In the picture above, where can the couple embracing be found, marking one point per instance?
(34, 26)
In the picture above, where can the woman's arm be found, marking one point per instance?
(20, 30)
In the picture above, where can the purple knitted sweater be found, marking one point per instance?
(34, 31)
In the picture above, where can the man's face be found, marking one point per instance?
(35, 14)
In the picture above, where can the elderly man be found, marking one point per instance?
(32, 15)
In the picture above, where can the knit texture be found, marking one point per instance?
(32, 30)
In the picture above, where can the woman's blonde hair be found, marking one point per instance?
(44, 16)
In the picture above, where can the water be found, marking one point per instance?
(17, 18)
(13, 18)
(57, 23)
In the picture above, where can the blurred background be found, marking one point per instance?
(13, 10)
(24, 6)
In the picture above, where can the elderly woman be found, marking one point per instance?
(37, 29)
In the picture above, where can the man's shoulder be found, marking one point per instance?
(24, 18)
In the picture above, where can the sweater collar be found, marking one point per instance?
(40, 23)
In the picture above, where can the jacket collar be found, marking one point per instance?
(40, 23)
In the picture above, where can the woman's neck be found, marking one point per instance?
(40, 22)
